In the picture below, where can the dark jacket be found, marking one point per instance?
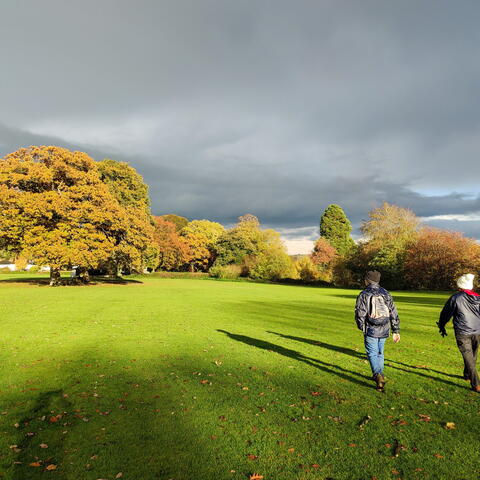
(465, 310)
(376, 327)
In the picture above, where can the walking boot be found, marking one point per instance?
(380, 381)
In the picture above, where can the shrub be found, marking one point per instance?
(307, 270)
(34, 269)
(226, 271)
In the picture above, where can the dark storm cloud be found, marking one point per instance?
(273, 107)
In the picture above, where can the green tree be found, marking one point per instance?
(335, 228)
(243, 240)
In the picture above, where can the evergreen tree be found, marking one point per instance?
(335, 227)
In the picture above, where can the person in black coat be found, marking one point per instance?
(464, 307)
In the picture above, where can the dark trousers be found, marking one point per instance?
(468, 346)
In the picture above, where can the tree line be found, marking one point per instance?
(63, 209)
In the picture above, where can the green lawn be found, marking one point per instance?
(201, 379)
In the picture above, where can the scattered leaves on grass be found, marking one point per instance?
(450, 426)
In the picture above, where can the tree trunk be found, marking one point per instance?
(54, 277)
(84, 275)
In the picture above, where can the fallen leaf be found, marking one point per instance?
(119, 475)
(437, 455)
(399, 422)
(352, 444)
(315, 394)
(43, 445)
(395, 472)
(291, 450)
(424, 418)
(35, 464)
(256, 476)
(250, 456)
(450, 426)
(51, 467)
(315, 465)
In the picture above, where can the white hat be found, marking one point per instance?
(465, 282)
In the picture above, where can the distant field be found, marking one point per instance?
(199, 379)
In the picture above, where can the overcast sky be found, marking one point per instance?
(276, 108)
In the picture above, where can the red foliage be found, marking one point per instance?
(437, 257)
(323, 253)
(174, 251)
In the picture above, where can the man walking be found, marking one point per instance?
(464, 307)
(375, 313)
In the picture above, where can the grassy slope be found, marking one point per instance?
(183, 379)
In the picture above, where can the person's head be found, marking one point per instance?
(372, 277)
(465, 282)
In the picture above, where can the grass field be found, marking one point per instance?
(200, 379)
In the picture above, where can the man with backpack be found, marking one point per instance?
(464, 307)
(375, 313)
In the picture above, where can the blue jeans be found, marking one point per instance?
(375, 348)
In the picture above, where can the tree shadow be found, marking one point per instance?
(66, 281)
(391, 363)
(293, 354)
(41, 422)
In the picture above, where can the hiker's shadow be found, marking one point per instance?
(404, 367)
(341, 372)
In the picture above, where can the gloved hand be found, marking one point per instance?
(441, 330)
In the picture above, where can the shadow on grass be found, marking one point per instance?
(82, 434)
(415, 369)
(39, 422)
(293, 354)
(66, 281)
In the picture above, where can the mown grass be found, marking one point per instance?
(197, 379)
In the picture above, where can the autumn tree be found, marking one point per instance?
(125, 183)
(177, 220)
(202, 237)
(436, 258)
(173, 249)
(134, 243)
(336, 228)
(387, 235)
(57, 211)
(324, 256)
